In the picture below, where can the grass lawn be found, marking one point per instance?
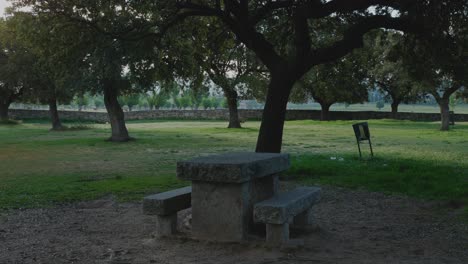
(415, 108)
(41, 168)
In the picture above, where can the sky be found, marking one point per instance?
(3, 4)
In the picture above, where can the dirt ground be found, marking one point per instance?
(352, 227)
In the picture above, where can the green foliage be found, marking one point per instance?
(98, 101)
(143, 103)
(105, 45)
(380, 104)
(130, 101)
(215, 102)
(438, 60)
(197, 96)
(81, 101)
(49, 75)
(185, 101)
(177, 102)
(454, 101)
(224, 103)
(388, 72)
(344, 81)
(207, 103)
(156, 99)
(227, 63)
(16, 64)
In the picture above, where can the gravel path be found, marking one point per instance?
(353, 227)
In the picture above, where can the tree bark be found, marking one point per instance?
(270, 137)
(4, 110)
(444, 105)
(395, 105)
(231, 97)
(325, 113)
(116, 115)
(54, 115)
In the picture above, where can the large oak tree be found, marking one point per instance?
(285, 38)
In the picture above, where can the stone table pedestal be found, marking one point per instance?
(225, 188)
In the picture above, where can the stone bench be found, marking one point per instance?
(285, 208)
(165, 206)
(225, 189)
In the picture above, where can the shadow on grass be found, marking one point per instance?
(10, 122)
(232, 130)
(79, 127)
(417, 178)
(47, 191)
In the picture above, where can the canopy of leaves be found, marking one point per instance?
(388, 72)
(15, 64)
(344, 81)
(114, 43)
(439, 60)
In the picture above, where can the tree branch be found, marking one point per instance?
(353, 38)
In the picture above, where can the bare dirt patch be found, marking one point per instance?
(353, 227)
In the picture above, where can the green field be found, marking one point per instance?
(40, 168)
(461, 108)
(411, 108)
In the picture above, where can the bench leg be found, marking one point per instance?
(166, 225)
(303, 220)
(277, 234)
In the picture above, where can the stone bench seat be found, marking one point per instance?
(285, 208)
(165, 206)
(225, 189)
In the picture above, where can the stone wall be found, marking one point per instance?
(223, 115)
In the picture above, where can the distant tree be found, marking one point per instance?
(50, 77)
(344, 81)
(389, 73)
(177, 102)
(143, 104)
(454, 101)
(230, 66)
(224, 103)
(185, 101)
(215, 102)
(174, 90)
(157, 99)
(207, 103)
(441, 64)
(98, 102)
(380, 105)
(130, 101)
(81, 101)
(197, 96)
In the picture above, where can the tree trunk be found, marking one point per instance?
(231, 97)
(444, 105)
(54, 116)
(270, 137)
(4, 111)
(395, 105)
(325, 113)
(116, 115)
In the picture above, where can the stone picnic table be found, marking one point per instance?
(225, 188)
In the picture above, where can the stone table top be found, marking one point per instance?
(235, 167)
